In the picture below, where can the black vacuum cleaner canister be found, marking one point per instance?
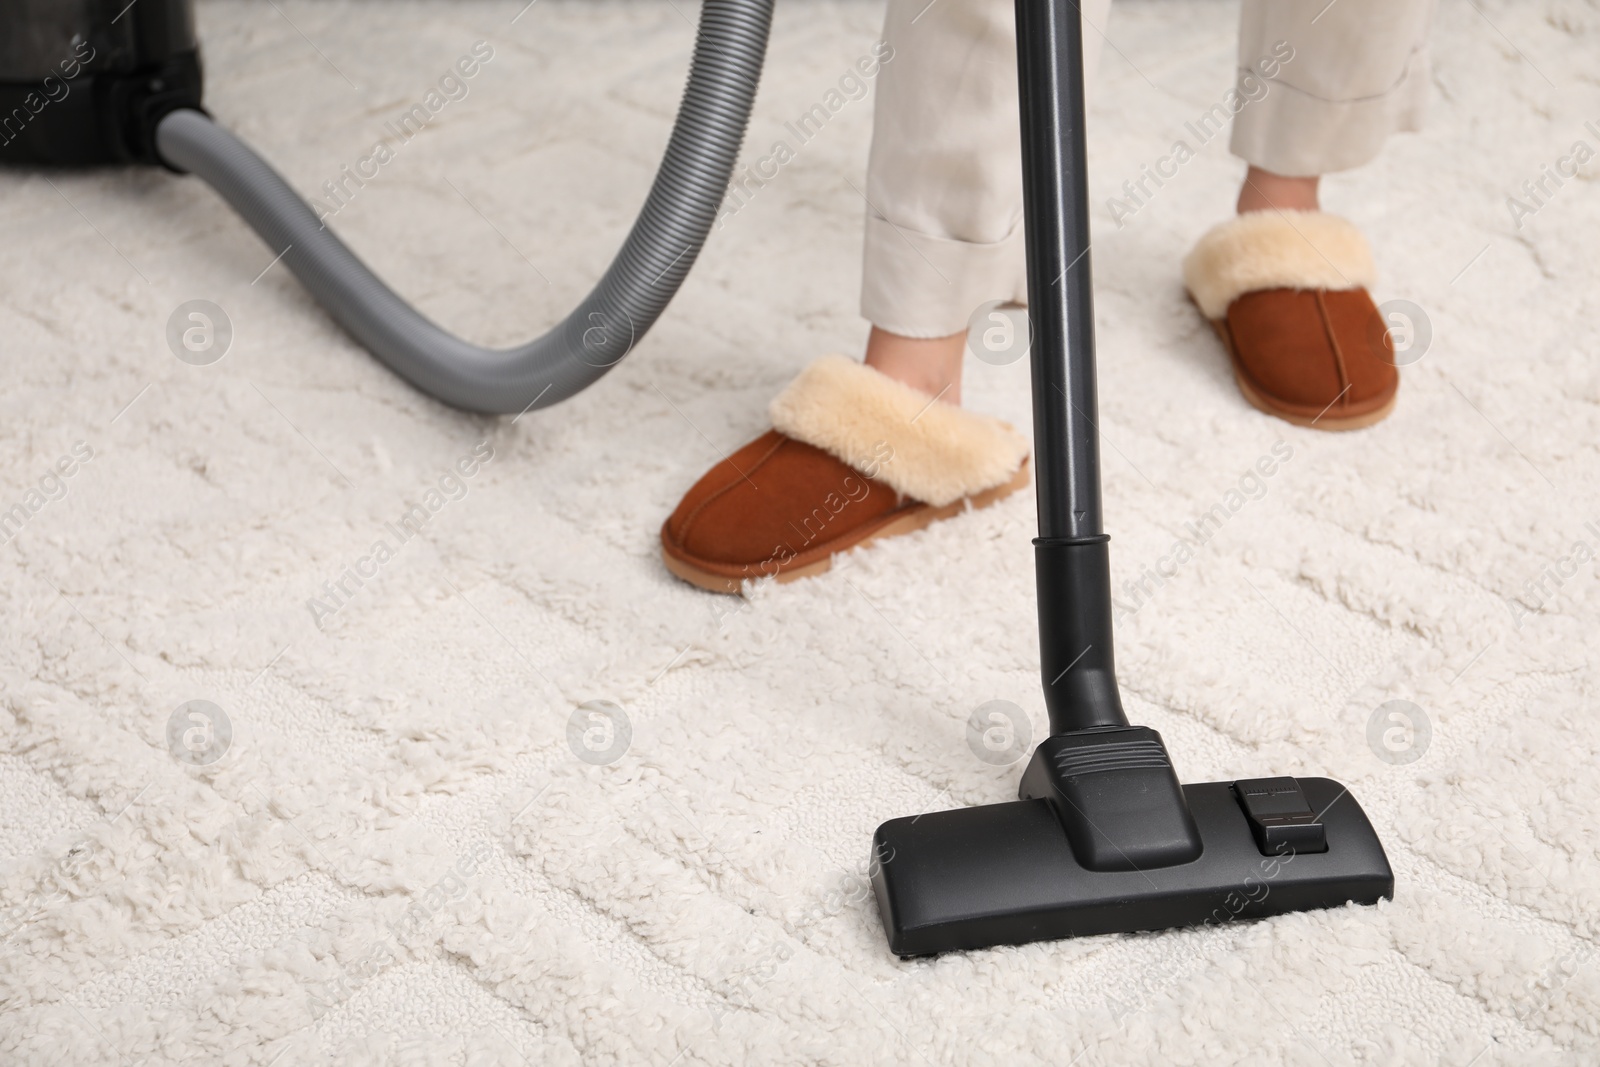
(85, 81)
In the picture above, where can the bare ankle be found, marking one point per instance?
(931, 365)
(1266, 191)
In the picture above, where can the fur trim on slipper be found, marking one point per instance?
(932, 452)
(1276, 250)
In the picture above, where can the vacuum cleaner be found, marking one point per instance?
(1103, 838)
(87, 82)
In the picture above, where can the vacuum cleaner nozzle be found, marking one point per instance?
(1006, 874)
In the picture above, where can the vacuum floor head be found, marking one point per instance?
(1005, 874)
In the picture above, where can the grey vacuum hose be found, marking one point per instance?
(647, 271)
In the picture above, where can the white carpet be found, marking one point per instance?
(700, 900)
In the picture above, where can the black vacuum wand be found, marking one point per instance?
(1104, 839)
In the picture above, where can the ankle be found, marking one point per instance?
(1265, 191)
(929, 365)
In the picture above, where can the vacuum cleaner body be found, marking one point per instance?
(1104, 838)
(85, 82)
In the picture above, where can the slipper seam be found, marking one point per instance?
(689, 519)
(1345, 383)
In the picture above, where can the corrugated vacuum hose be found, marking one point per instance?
(652, 263)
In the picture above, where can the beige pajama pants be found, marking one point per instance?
(944, 179)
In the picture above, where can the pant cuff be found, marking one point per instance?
(1298, 135)
(917, 285)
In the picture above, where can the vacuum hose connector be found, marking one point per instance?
(652, 263)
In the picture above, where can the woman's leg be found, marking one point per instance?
(1359, 71)
(860, 452)
(944, 183)
(1265, 191)
(1286, 285)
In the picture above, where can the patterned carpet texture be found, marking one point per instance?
(502, 791)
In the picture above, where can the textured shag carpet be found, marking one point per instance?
(400, 858)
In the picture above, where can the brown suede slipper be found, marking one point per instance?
(855, 456)
(1287, 294)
